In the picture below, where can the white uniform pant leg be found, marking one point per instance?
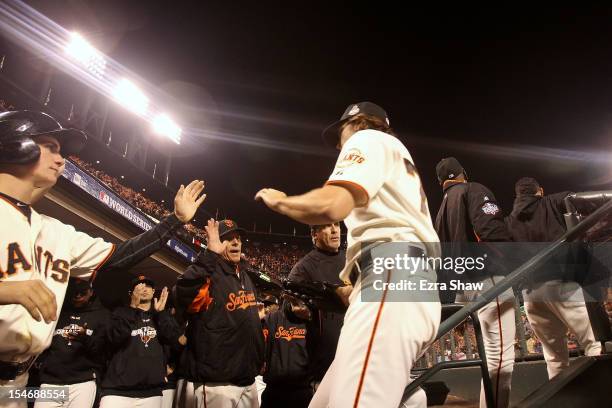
(20, 382)
(551, 316)
(222, 395)
(116, 401)
(372, 364)
(498, 323)
(80, 395)
(168, 398)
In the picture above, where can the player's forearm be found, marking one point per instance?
(319, 206)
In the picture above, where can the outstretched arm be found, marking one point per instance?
(325, 205)
(134, 250)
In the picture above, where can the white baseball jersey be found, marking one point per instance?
(397, 210)
(44, 249)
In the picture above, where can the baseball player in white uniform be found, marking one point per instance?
(38, 253)
(376, 189)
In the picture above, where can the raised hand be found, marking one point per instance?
(160, 304)
(214, 242)
(186, 201)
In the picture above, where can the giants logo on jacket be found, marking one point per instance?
(146, 334)
(290, 333)
(242, 300)
(70, 330)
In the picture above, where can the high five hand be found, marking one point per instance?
(186, 201)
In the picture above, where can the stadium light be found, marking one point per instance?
(129, 96)
(81, 50)
(165, 126)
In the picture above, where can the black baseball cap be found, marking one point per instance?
(448, 169)
(142, 279)
(526, 186)
(227, 226)
(77, 285)
(331, 133)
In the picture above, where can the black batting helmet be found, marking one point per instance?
(17, 128)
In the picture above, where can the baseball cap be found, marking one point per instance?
(77, 285)
(526, 186)
(142, 279)
(227, 226)
(448, 168)
(331, 133)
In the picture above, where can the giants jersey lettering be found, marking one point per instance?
(44, 249)
(396, 210)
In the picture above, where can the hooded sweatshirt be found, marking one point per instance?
(537, 219)
(80, 360)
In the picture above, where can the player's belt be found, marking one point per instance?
(365, 259)
(11, 370)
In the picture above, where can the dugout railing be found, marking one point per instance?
(453, 314)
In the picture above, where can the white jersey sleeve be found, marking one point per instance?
(362, 163)
(87, 254)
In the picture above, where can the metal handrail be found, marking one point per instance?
(519, 274)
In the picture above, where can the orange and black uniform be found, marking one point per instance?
(225, 342)
(287, 374)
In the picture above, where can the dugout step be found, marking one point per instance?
(586, 383)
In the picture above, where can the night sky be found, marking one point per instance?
(510, 92)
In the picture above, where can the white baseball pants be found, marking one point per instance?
(80, 395)
(552, 308)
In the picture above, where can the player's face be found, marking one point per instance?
(233, 247)
(51, 163)
(81, 297)
(327, 237)
(147, 294)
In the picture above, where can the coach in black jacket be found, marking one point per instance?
(470, 214)
(137, 369)
(322, 264)
(225, 340)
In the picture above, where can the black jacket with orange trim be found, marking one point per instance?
(287, 361)
(225, 341)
